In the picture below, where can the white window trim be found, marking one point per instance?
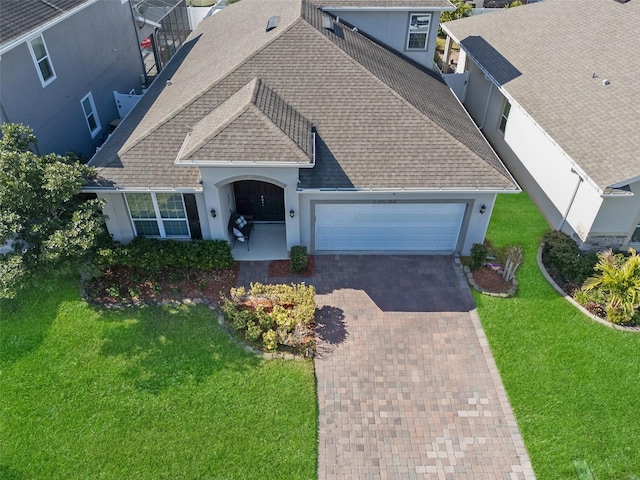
(502, 116)
(35, 60)
(158, 219)
(426, 40)
(98, 128)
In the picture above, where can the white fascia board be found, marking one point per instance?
(411, 190)
(388, 9)
(91, 189)
(40, 29)
(256, 163)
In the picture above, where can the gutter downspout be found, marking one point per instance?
(573, 197)
(486, 105)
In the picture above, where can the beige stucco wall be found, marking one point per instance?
(218, 194)
(473, 229)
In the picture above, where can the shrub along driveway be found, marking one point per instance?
(406, 383)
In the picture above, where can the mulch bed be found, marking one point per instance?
(282, 268)
(490, 280)
(135, 285)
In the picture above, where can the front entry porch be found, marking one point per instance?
(268, 242)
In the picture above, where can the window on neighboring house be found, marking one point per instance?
(158, 215)
(418, 31)
(41, 58)
(635, 238)
(505, 116)
(90, 115)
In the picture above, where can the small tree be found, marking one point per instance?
(618, 279)
(462, 10)
(40, 209)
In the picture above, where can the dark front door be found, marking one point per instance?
(264, 201)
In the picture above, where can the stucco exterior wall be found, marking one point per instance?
(96, 50)
(117, 217)
(546, 173)
(616, 221)
(473, 229)
(218, 194)
(392, 28)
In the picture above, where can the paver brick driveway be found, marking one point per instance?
(407, 387)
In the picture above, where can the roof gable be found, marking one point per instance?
(381, 122)
(253, 126)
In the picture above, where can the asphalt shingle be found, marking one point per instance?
(381, 122)
(19, 17)
(552, 57)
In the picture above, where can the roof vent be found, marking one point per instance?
(327, 22)
(272, 23)
(622, 1)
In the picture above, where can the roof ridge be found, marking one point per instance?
(393, 91)
(248, 90)
(254, 96)
(203, 91)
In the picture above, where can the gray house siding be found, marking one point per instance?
(95, 50)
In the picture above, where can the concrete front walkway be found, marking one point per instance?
(407, 386)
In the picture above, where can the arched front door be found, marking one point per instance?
(265, 201)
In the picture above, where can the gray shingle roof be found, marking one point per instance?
(381, 122)
(544, 55)
(253, 125)
(440, 4)
(19, 17)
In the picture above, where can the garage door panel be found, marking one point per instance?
(393, 227)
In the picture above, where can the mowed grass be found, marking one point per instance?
(145, 393)
(574, 384)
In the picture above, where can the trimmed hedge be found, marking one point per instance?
(298, 259)
(563, 257)
(155, 254)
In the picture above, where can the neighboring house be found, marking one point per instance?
(409, 27)
(299, 120)
(554, 87)
(60, 62)
(162, 27)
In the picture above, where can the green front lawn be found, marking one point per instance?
(573, 383)
(153, 392)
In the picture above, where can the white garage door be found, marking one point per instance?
(388, 226)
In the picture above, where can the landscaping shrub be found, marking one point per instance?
(478, 256)
(155, 254)
(299, 259)
(617, 282)
(562, 257)
(279, 315)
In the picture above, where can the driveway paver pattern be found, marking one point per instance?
(407, 386)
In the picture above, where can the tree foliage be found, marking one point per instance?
(462, 10)
(618, 279)
(40, 209)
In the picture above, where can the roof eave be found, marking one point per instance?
(11, 44)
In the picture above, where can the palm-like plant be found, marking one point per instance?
(618, 278)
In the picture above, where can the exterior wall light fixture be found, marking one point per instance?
(483, 209)
(292, 213)
(213, 213)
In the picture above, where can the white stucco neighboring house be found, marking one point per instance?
(554, 88)
(302, 121)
